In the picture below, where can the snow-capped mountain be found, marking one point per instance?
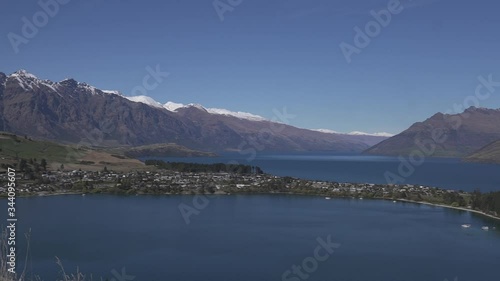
(174, 107)
(356, 133)
(28, 81)
(71, 111)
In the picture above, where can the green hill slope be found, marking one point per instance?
(488, 154)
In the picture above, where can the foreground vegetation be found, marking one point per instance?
(23, 274)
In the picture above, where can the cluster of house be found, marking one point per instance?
(173, 181)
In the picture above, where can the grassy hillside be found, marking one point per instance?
(13, 148)
(161, 150)
(488, 154)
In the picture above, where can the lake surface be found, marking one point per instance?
(255, 237)
(448, 173)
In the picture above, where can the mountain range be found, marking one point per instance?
(69, 111)
(451, 135)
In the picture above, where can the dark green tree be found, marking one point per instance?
(23, 165)
(43, 163)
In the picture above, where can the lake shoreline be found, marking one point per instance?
(272, 193)
(449, 207)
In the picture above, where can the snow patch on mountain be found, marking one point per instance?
(196, 105)
(173, 106)
(355, 133)
(327, 131)
(145, 100)
(112, 92)
(23, 74)
(93, 90)
(25, 79)
(50, 85)
(28, 82)
(237, 114)
(380, 134)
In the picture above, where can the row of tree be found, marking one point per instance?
(205, 168)
(26, 165)
(489, 202)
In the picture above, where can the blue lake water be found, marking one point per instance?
(450, 173)
(262, 237)
(255, 237)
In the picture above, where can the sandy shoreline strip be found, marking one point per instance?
(450, 207)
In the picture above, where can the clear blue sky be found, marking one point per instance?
(269, 54)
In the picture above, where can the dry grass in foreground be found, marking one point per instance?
(5, 275)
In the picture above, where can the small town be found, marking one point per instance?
(175, 182)
(161, 181)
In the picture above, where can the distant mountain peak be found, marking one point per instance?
(464, 133)
(25, 79)
(70, 82)
(480, 109)
(197, 106)
(356, 133)
(90, 88)
(23, 73)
